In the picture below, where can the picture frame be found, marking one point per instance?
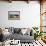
(13, 15)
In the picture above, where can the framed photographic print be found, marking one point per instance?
(13, 15)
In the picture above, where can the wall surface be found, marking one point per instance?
(29, 14)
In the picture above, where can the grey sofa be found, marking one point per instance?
(17, 35)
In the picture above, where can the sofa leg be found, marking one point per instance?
(21, 44)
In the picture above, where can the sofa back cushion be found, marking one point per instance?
(17, 30)
(11, 30)
(23, 31)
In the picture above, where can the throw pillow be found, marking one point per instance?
(23, 31)
(11, 30)
(17, 30)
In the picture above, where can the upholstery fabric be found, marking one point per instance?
(17, 30)
(22, 38)
(17, 35)
(11, 30)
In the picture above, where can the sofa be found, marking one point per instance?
(25, 35)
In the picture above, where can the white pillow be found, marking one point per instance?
(23, 31)
(28, 31)
(6, 32)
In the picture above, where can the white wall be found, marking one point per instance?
(29, 14)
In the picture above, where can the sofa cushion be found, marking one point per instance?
(28, 31)
(23, 31)
(11, 30)
(22, 38)
(17, 30)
